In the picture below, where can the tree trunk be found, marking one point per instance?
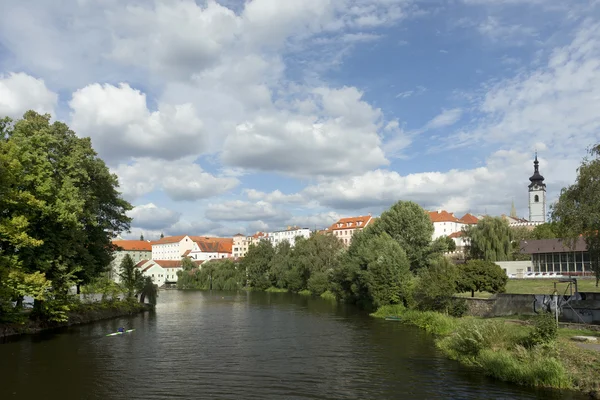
(142, 297)
(472, 293)
(78, 289)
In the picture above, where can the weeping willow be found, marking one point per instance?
(490, 239)
(213, 275)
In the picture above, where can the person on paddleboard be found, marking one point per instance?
(121, 329)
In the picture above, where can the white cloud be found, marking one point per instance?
(310, 144)
(318, 221)
(275, 197)
(20, 92)
(497, 31)
(150, 217)
(445, 118)
(238, 210)
(121, 125)
(181, 180)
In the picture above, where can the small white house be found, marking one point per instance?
(152, 269)
(290, 234)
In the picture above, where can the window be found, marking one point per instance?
(536, 198)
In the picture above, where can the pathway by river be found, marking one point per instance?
(221, 345)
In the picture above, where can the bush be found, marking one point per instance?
(544, 330)
(458, 308)
(391, 310)
(327, 295)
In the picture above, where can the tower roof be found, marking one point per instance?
(536, 178)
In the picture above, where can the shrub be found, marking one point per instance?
(544, 330)
(327, 295)
(458, 308)
(391, 310)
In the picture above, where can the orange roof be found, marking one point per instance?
(170, 239)
(259, 235)
(442, 216)
(351, 223)
(469, 219)
(214, 245)
(140, 263)
(238, 234)
(133, 245)
(186, 253)
(172, 263)
(456, 234)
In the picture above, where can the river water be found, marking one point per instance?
(222, 345)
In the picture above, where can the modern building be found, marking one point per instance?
(290, 234)
(345, 228)
(537, 195)
(137, 249)
(553, 255)
(241, 243)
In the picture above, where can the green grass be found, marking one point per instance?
(538, 286)
(273, 289)
(327, 295)
(305, 292)
(500, 348)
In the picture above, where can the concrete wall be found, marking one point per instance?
(585, 309)
(516, 267)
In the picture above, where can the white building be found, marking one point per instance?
(345, 228)
(446, 224)
(241, 243)
(172, 247)
(137, 249)
(161, 271)
(207, 248)
(290, 234)
(537, 195)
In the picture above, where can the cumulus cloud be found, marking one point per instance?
(150, 217)
(238, 210)
(181, 180)
(20, 92)
(308, 144)
(121, 125)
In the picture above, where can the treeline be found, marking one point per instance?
(59, 210)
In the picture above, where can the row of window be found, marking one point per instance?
(577, 261)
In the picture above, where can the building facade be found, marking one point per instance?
(446, 224)
(537, 195)
(290, 234)
(210, 248)
(241, 243)
(345, 228)
(553, 255)
(137, 249)
(172, 247)
(162, 272)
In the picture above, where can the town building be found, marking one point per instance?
(209, 248)
(554, 255)
(537, 195)
(136, 249)
(241, 243)
(345, 228)
(290, 234)
(446, 224)
(171, 247)
(162, 272)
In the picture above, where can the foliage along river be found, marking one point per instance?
(223, 345)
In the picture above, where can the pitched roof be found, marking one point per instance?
(238, 234)
(456, 234)
(186, 253)
(171, 263)
(170, 239)
(133, 245)
(469, 219)
(259, 235)
(351, 223)
(140, 263)
(551, 246)
(214, 245)
(442, 216)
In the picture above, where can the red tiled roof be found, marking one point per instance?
(351, 223)
(469, 219)
(456, 234)
(140, 263)
(186, 253)
(238, 234)
(170, 239)
(259, 235)
(214, 245)
(133, 245)
(170, 263)
(442, 216)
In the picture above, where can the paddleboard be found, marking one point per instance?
(120, 333)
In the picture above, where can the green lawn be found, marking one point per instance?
(539, 286)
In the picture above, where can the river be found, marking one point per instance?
(222, 345)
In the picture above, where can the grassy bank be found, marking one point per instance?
(510, 352)
(538, 286)
(327, 295)
(79, 313)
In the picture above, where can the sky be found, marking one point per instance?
(232, 116)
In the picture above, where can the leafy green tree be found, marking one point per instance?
(318, 255)
(481, 276)
(410, 225)
(281, 264)
(549, 230)
(162, 235)
(436, 285)
(490, 239)
(375, 272)
(519, 234)
(77, 211)
(578, 208)
(142, 237)
(147, 289)
(130, 276)
(187, 264)
(450, 243)
(256, 264)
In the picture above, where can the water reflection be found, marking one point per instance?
(238, 345)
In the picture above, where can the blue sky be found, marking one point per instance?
(236, 116)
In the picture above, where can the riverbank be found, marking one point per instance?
(80, 314)
(510, 351)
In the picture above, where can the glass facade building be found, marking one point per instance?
(553, 255)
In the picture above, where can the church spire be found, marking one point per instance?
(513, 210)
(536, 178)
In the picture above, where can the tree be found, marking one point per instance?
(436, 285)
(578, 208)
(187, 264)
(162, 235)
(130, 276)
(256, 264)
(490, 239)
(549, 230)
(147, 289)
(519, 234)
(375, 273)
(78, 208)
(316, 258)
(142, 237)
(481, 276)
(280, 264)
(410, 225)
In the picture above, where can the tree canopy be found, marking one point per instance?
(490, 240)
(578, 208)
(481, 276)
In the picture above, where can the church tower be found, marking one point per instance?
(537, 195)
